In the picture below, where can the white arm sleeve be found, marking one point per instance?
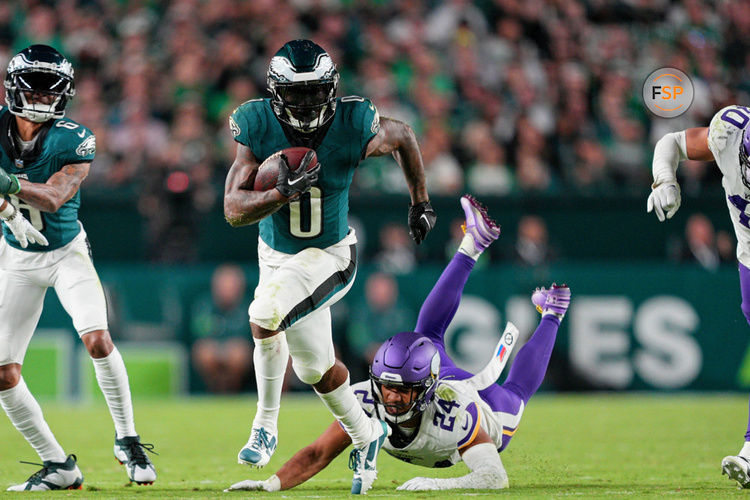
(487, 471)
(668, 152)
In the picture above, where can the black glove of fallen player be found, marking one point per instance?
(299, 180)
(421, 219)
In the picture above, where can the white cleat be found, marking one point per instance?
(737, 468)
(259, 448)
(53, 476)
(129, 451)
(363, 460)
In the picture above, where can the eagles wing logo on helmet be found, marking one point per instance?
(284, 71)
(39, 83)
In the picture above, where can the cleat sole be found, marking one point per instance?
(483, 212)
(250, 464)
(735, 473)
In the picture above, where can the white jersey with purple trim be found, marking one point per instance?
(450, 422)
(724, 141)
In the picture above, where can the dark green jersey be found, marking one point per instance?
(59, 143)
(318, 218)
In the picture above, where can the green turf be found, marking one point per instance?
(598, 446)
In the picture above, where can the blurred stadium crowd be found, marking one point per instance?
(507, 96)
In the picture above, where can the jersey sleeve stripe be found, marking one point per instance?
(471, 435)
(509, 431)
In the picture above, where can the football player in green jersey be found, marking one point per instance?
(43, 160)
(306, 248)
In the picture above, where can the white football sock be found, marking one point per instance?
(468, 247)
(26, 415)
(745, 452)
(271, 356)
(344, 406)
(113, 381)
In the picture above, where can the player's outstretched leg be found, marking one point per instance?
(441, 304)
(53, 476)
(528, 369)
(367, 434)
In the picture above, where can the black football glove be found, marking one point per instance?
(299, 180)
(421, 219)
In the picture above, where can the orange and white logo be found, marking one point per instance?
(668, 92)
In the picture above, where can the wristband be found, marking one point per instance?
(9, 212)
(273, 483)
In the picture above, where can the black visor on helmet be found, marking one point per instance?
(37, 81)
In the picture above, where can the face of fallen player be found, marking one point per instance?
(398, 400)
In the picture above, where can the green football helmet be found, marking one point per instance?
(39, 84)
(303, 80)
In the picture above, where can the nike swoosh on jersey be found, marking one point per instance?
(81, 133)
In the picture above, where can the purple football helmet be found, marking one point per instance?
(744, 160)
(407, 360)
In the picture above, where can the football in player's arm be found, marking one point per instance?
(243, 206)
(727, 141)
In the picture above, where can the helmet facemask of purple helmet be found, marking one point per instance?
(407, 360)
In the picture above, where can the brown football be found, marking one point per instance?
(268, 172)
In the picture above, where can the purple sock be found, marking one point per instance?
(528, 369)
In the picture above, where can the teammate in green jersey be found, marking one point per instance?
(306, 249)
(43, 160)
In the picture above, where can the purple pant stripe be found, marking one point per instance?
(745, 291)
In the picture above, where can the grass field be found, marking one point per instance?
(599, 446)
